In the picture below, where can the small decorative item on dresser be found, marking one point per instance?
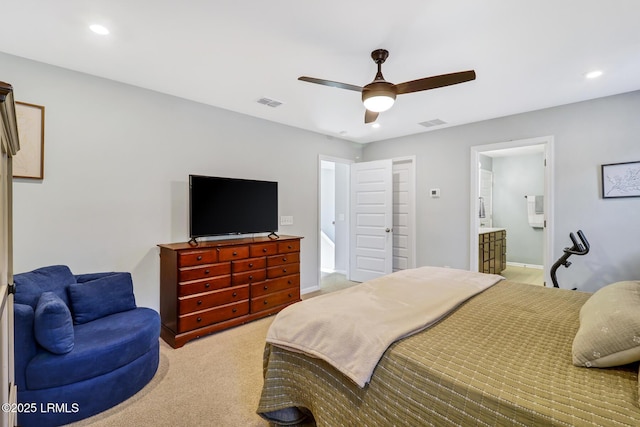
(219, 284)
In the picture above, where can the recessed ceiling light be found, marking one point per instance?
(99, 29)
(593, 74)
(375, 125)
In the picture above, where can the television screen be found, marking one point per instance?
(231, 206)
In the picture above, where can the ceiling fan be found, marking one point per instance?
(379, 95)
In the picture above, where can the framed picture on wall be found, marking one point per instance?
(29, 161)
(621, 180)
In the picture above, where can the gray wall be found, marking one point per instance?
(514, 177)
(586, 135)
(117, 160)
(486, 162)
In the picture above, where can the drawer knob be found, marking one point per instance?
(265, 302)
(199, 319)
(284, 259)
(206, 272)
(289, 282)
(207, 285)
(250, 264)
(199, 258)
(264, 249)
(290, 295)
(234, 310)
(266, 287)
(199, 302)
(235, 253)
(235, 294)
(250, 277)
(284, 270)
(289, 246)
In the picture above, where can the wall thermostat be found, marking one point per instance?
(435, 192)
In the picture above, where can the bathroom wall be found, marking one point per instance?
(515, 177)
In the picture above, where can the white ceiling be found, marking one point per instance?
(527, 55)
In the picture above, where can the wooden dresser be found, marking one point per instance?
(215, 285)
(492, 251)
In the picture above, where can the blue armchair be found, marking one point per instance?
(81, 344)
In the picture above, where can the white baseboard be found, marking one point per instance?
(519, 264)
(329, 271)
(309, 290)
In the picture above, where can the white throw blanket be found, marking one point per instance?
(352, 328)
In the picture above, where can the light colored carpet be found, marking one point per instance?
(212, 381)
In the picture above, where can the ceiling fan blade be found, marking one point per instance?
(435, 82)
(370, 116)
(331, 83)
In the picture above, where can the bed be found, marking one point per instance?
(502, 357)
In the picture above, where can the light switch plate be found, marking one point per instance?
(286, 220)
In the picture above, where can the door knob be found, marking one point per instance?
(388, 230)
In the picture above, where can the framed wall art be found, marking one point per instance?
(29, 162)
(621, 180)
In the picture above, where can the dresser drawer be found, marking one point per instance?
(274, 285)
(234, 252)
(248, 277)
(212, 299)
(208, 270)
(288, 258)
(274, 299)
(248, 264)
(264, 249)
(213, 315)
(282, 270)
(290, 246)
(197, 257)
(203, 285)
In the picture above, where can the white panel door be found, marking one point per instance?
(371, 220)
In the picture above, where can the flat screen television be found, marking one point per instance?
(219, 206)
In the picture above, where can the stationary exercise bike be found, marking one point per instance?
(578, 248)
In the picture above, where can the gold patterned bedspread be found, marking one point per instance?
(503, 358)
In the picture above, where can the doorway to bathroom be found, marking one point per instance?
(511, 209)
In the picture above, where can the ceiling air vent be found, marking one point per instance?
(431, 123)
(269, 102)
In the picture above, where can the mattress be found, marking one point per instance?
(502, 358)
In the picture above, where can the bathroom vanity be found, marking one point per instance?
(492, 251)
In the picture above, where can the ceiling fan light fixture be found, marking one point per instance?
(99, 29)
(378, 96)
(379, 103)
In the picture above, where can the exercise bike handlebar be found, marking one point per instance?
(578, 248)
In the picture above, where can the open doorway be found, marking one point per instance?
(335, 213)
(334, 180)
(511, 209)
